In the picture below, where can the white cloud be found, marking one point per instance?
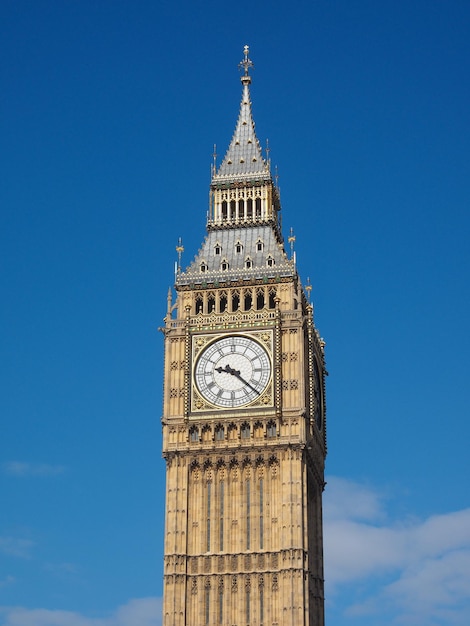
(61, 569)
(16, 547)
(19, 468)
(141, 612)
(416, 570)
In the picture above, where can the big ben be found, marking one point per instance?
(244, 434)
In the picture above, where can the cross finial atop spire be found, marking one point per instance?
(245, 65)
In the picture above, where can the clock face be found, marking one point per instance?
(233, 371)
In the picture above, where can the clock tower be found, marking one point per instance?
(244, 413)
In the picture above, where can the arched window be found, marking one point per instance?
(238, 247)
(211, 303)
(272, 298)
(217, 249)
(232, 209)
(260, 299)
(248, 263)
(259, 246)
(235, 301)
(223, 302)
(249, 208)
(224, 265)
(258, 208)
(245, 431)
(271, 429)
(206, 433)
(194, 434)
(199, 304)
(270, 261)
(232, 432)
(224, 210)
(203, 267)
(248, 300)
(241, 209)
(219, 433)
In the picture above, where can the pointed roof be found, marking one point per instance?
(234, 248)
(243, 158)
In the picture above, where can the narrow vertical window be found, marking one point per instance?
(221, 606)
(258, 207)
(221, 520)
(248, 513)
(247, 605)
(261, 606)
(223, 303)
(224, 210)
(272, 299)
(248, 301)
(207, 600)
(261, 514)
(208, 517)
(235, 302)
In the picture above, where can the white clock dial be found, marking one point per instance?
(232, 371)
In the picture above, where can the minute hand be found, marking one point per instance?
(245, 382)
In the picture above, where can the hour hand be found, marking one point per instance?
(228, 370)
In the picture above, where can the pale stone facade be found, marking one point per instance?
(244, 444)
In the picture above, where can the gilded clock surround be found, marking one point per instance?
(262, 398)
(243, 517)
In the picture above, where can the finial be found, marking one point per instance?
(179, 250)
(245, 65)
(214, 156)
(308, 289)
(291, 240)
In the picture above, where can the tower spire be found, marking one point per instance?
(244, 157)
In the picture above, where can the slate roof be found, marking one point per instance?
(243, 158)
(227, 240)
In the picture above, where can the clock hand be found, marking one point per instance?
(229, 370)
(236, 373)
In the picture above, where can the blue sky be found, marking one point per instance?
(108, 116)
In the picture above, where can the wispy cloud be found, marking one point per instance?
(142, 611)
(61, 569)
(19, 468)
(8, 580)
(14, 546)
(416, 570)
